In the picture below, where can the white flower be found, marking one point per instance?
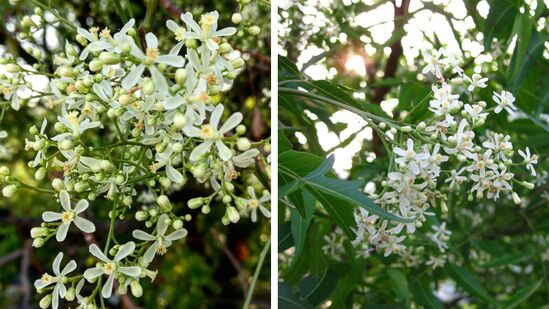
(475, 112)
(529, 160)
(463, 140)
(444, 103)
(160, 241)
(103, 40)
(505, 101)
(410, 158)
(254, 203)
(59, 290)
(440, 236)
(246, 158)
(68, 216)
(436, 261)
(211, 135)
(148, 59)
(111, 267)
(476, 81)
(433, 62)
(77, 126)
(455, 177)
(208, 32)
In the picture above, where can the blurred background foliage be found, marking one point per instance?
(366, 53)
(213, 266)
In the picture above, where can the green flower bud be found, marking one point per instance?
(96, 65)
(195, 202)
(180, 76)
(243, 144)
(65, 144)
(45, 302)
(165, 182)
(236, 18)
(71, 294)
(37, 54)
(12, 68)
(58, 184)
(240, 203)
(141, 215)
(40, 174)
(38, 242)
(82, 40)
(177, 224)
(237, 63)
(516, 198)
(254, 30)
(241, 129)
(225, 48)
(136, 288)
(191, 44)
(109, 58)
(179, 121)
(38, 232)
(65, 72)
(164, 203)
(4, 170)
(9, 190)
(148, 87)
(233, 214)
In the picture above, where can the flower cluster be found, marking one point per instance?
(134, 124)
(439, 156)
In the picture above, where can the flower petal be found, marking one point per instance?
(81, 206)
(55, 299)
(152, 40)
(62, 289)
(107, 288)
(84, 225)
(92, 273)
(216, 116)
(94, 249)
(177, 235)
(131, 79)
(172, 25)
(149, 254)
(173, 60)
(50, 216)
(132, 271)
(232, 122)
(65, 200)
(223, 151)
(62, 232)
(159, 80)
(225, 32)
(173, 174)
(125, 250)
(57, 263)
(162, 224)
(141, 235)
(71, 266)
(200, 149)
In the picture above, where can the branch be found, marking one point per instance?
(171, 8)
(242, 276)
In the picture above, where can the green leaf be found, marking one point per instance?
(400, 285)
(300, 224)
(289, 299)
(285, 239)
(423, 294)
(505, 260)
(467, 281)
(284, 143)
(531, 56)
(287, 69)
(522, 294)
(316, 289)
(499, 20)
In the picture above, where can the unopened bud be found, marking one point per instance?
(38, 242)
(195, 202)
(243, 144)
(181, 76)
(236, 18)
(40, 173)
(164, 203)
(516, 198)
(254, 30)
(233, 214)
(141, 215)
(9, 190)
(136, 288)
(45, 301)
(58, 184)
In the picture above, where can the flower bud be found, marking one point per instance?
(12, 68)
(71, 294)
(109, 58)
(4, 170)
(45, 302)
(141, 215)
(254, 30)
(195, 202)
(177, 224)
(136, 288)
(58, 184)
(40, 173)
(9, 190)
(66, 144)
(148, 87)
(237, 63)
(406, 129)
(165, 182)
(95, 65)
(421, 126)
(227, 199)
(527, 185)
(164, 203)
(38, 232)
(240, 203)
(233, 214)
(199, 170)
(82, 40)
(516, 198)
(225, 48)
(241, 129)
(181, 76)
(243, 144)
(38, 242)
(205, 210)
(191, 44)
(81, 186)
(125, 99)
(443, 207)
(106, 165)
(236, 18)
(179, 120)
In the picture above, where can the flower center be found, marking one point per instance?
(72, 117)
(152, 54)
(47, 278)
(208, 20)
(410, 153)
(161, 249)
(67, 217)
(180, 34)
(204, 97)
(253, 203)
(207, 132)
(109, 268)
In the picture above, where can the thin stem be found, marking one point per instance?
(256, 274)
(149, 16)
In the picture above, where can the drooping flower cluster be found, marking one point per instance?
(417, 184)
(133, 124)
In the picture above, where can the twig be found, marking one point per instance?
(256, 274)
(242, 276)
(10, 256)
(171, 8)
(24, 275)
